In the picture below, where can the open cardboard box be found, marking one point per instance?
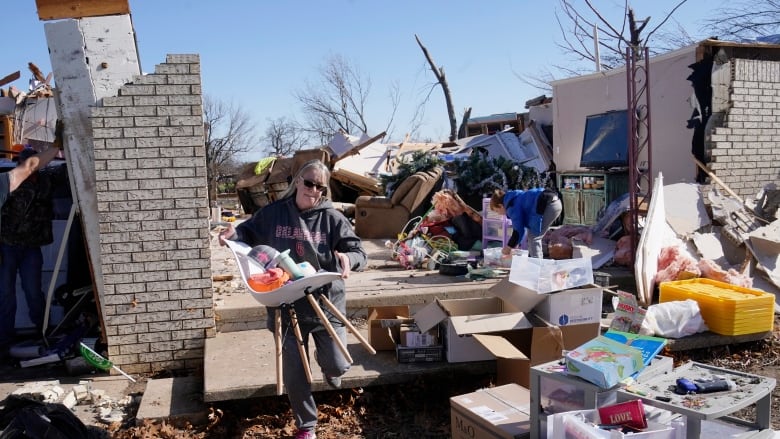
(487, 328)
(568, 307)
(384, 324)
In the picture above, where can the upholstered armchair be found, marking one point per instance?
(385, 217)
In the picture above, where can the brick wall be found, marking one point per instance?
(153, 216)
(745, 151)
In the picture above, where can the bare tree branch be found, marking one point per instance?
(283, 137)
(746, 20)
(442, 80)
(229, 132)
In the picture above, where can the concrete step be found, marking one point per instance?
(239, 365)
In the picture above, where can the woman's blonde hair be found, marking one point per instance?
(311, 164)
(497, 199)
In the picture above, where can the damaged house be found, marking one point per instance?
(712, 111)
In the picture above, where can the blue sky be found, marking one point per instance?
(257, 53)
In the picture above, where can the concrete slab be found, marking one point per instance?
(384, 282)
(239, 365)
(177, 400)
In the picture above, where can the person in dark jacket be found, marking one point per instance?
(305, 221)
(534, 210)
(26, 226)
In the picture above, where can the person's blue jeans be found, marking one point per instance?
(28, 262)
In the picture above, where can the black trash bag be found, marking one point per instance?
(467, 233)
(25, 418)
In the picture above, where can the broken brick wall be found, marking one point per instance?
(150, 164)
(745, 150)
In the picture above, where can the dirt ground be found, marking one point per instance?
(418, 409)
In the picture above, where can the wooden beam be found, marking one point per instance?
(10, 78)
(59, 9)
(719, 181)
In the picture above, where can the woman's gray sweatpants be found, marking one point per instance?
(331, 361)
(551, 213)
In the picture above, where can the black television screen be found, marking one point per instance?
(605, 143)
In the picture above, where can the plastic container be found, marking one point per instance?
(727, 309)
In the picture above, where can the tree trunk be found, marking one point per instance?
(439, 72)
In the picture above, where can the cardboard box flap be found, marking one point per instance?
(388, 312)
(499, 346)
(516, 297)
(483, 323)
(429, 316)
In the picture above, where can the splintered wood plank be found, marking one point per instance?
(59, 9)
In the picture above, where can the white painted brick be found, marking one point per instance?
(127, 247)
(131, 309)
(150, 79)
(186, 294)
(170, 286)
(186, 120)
(158, 204)
(173, 305)
(123, 289)
(148, 257)
(118, 101)
(184, 79)
(183, 58)
(144, 216)
(155, 357)
(129, 226)
(139, 111)
(160, 316)
(198, 323)
(153, 142)
(144, 174)
(106, 111)
(141, 132)
(177, 110)
(164, 326)
(162, 162)
(140, 348)
(158, 246)
(150, 276)
(184, 274)
(144, 194)
(163, 184)
(185, 141)
(107, 133)
(189, 354)
(178, 172)
(177, 131)
(180, 88)
(173, 345)
(171, 69)
(133, 90)
(185, 100)
(154, 337)
(150, 100)
(159, 225)
(151, 121)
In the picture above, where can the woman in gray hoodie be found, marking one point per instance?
(305, 221)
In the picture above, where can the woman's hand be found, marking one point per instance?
(506, 251)
(344, 262)
(226, 234)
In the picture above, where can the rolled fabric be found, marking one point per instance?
(268, 281)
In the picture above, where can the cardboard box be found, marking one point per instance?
(572, 307)
(517, 351)
(462, 318)
(384, 323)
(515, 340)
(412, 337)
(604, 362)
(548, 275)
(497, 412)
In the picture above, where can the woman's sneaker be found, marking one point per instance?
(305, 434)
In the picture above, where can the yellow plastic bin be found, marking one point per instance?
(727, 309)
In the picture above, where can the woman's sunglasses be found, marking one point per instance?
(310, 184)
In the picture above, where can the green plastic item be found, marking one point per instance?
(99, 361)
